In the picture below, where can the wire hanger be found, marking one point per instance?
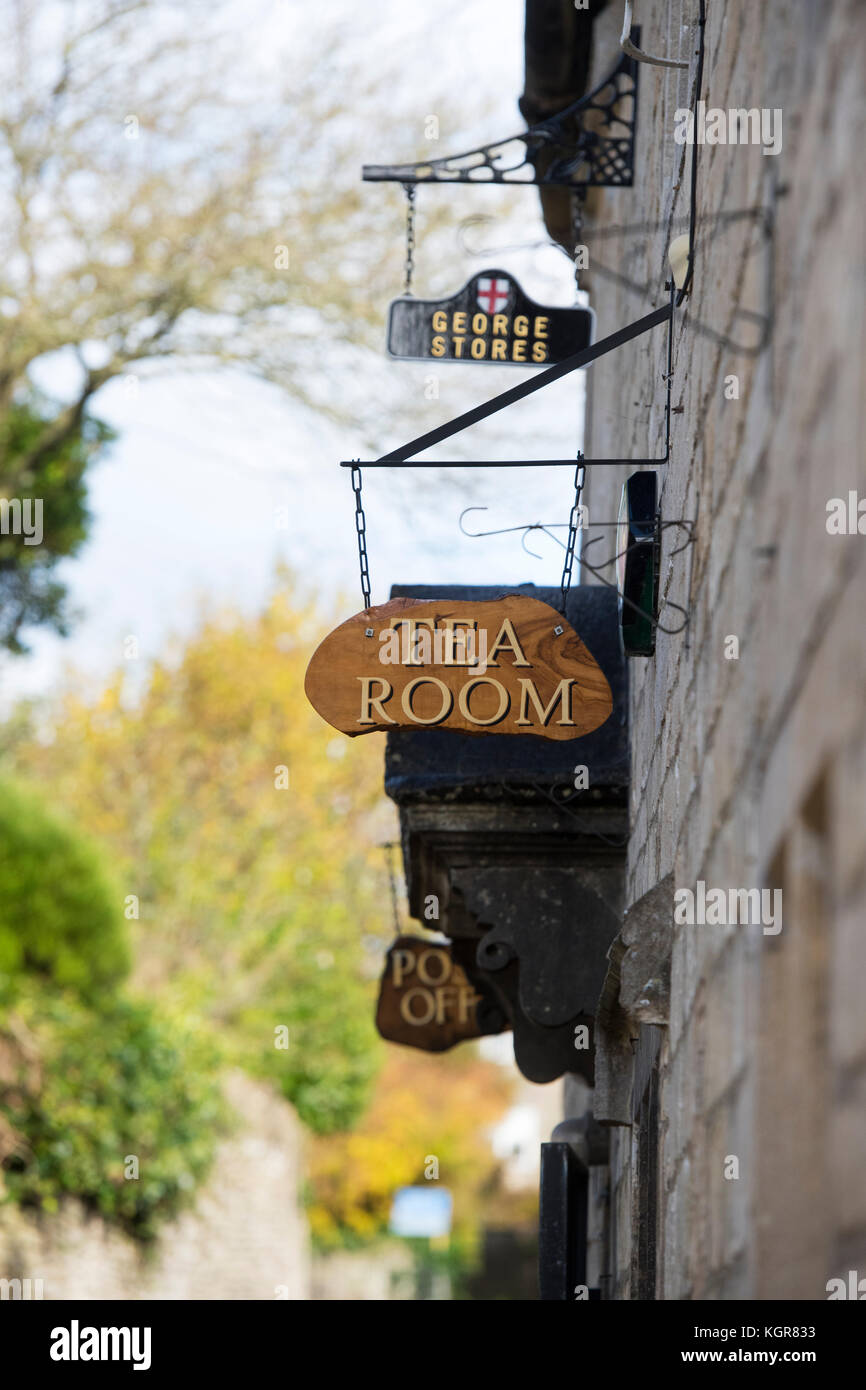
(548, 529)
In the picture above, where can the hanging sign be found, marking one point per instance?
(490, 320)
(427, 1000)
(504, 666)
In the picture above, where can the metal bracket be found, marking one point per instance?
(545, 965)
(548, 527)
(401, 457)
(631, 48)
(589, 144)
(558, 971)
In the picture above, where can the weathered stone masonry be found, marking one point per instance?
(746, 772)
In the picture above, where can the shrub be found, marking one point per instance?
(59, 916)
(114, 1085)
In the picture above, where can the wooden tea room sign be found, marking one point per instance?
(490, 320)
(427, 1000)
(504, 666)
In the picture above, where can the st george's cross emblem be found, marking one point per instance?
(490, 319)
(492, 294)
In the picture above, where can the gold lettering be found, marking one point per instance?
(521, 326)
(497, 351)
(424, 969)
(541, 326)
(371, 702)
(458, 345)
(479, 347)
(442, 1001)
(467, 999)
(562, 692)
(463, 700)
(539, 352)
(440, 321)
(462, 640)
(437, 348)
(518, 350)
(402, 963)
(479, 323)
(406, 700)
(414, 653)
(507, 637)
(406, 1006)
(459, 322)
(500, 325)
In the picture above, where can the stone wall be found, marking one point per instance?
(749, 771)
(246, 1238)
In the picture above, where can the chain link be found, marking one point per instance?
(573, 529)
(361, 528)
(576, 232)
(409, 270)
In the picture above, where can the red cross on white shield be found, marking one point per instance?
(492, 294)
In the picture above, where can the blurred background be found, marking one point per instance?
(194, 901)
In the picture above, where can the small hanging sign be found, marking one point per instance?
(504, 666)
(427, 999)
(490, 320)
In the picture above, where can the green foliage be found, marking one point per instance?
(60, 918)
(86, 1076)
(32, 466)
(327, 1079)
(252, 839)
(118, 1084)
(259, 901)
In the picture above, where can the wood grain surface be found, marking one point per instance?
(537, 680)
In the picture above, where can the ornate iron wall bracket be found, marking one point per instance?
(553, 969)
(589, 144)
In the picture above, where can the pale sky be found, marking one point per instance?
(187, 505)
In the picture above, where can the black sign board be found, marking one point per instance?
(490, 320)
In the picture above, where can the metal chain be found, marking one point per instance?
(573, 529)
(576, 232)
(410, 190)
(361, 528)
